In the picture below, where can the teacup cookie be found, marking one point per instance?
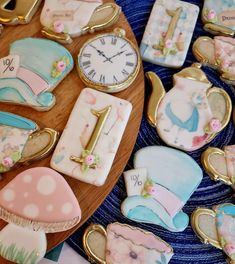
(169, 32)
(21, 141)
(121, 243)
(218, 17)
(192, 113)
(66, 19)
(31, 72)
(161, 183)
(220, 164)
(217, 227)
(18, 13)
(90, 140)
(218, 53)
(35, 202)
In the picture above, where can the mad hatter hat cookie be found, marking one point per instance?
(121, 243)
(161, 183)
(32, 70)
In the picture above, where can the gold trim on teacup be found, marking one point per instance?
(195, 225)
(218, 30)
(212, 172)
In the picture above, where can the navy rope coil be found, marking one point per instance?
(187, 247)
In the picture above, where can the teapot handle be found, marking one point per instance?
(93, 228)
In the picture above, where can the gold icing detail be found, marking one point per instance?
(175, 15)
(102, 117)
(63, 38)
(218, 30)
(21, 14)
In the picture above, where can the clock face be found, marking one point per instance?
(108, 60)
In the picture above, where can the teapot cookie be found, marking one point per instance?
(192, 113)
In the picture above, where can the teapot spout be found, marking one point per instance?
(157, 94)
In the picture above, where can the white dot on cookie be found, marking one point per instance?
(8, 195)
(31, 210)
(27, 178)
(67, 208)
(46, 185)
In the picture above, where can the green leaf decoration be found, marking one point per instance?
(16, 156)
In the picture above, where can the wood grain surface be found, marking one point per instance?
(89, 197)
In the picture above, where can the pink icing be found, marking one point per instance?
(7, 162)
(167, 199)
(58, 26)
(61, 66)
(211, 14)
(89, 160)
(168, 44)
(40, 194)
(140, 238)
(214, 125)
(34, 81)
(230, 160)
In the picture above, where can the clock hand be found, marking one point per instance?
(118, 54)
(101, 53)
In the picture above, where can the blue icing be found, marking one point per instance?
(39, 55)
(10, 94)
(46, 99)
(170, 168)
(227, 209)
(9, 119)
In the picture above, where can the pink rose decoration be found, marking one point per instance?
(230, 249)
(214, 125)
(211, 14)
(7, 162)
(199, 140)
(151, 190)
(58, 26)
(61, 66)
(168, 44)
(89, 160)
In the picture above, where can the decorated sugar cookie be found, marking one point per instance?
(20, 12)
(66, 19)
(218, 53)
(21, 141)
(169, 32)
(218, 17)
(32, 70)
(161, 183)
(91, 138)
(220, 164)
(192, 113)
(32, 205)
(121, 243)
(217, 227)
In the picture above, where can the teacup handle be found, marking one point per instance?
(91, 255)
(227, 109)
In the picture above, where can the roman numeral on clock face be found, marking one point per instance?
(131, 64)
(86, 55)
(124, 72)
(92, 73)
(102, 78)
(102, 41)
(115, 80)
(114, 41)
(86, 64)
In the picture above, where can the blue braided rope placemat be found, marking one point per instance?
(187, 247)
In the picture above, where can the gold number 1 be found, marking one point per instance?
(175, 15)
(102, 117)
(21, 14)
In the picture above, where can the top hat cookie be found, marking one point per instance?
(188, 117)
(66, 19)
(32, 70)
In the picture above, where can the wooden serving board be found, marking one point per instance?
(89, 197)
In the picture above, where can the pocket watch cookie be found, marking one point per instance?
(217, 227)
(90, 141)
(169, 32)
(21, 141)
(218, 53)
(109, 62)
(192, 113)
(121, 243)
(161, 183)
(32, 205)
(218, 17)
(31, 71)
(220, 164)
(17, 12)
(66, 19)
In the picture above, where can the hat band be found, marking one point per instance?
(33, 80)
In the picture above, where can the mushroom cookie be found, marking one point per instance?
(90, 140)
(32, 70)
(217, 227)
(218, 17)
(35, 202)
(121, 243)
(21, 141)
(218, 53)
(161, 183)
(220, 164)
(192, 113)
(66, 19)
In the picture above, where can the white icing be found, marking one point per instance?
(46, 185)
(67, 208)
(26, 194)
(31, 210)
(9, 195)
(49, 207)
(27, 178)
